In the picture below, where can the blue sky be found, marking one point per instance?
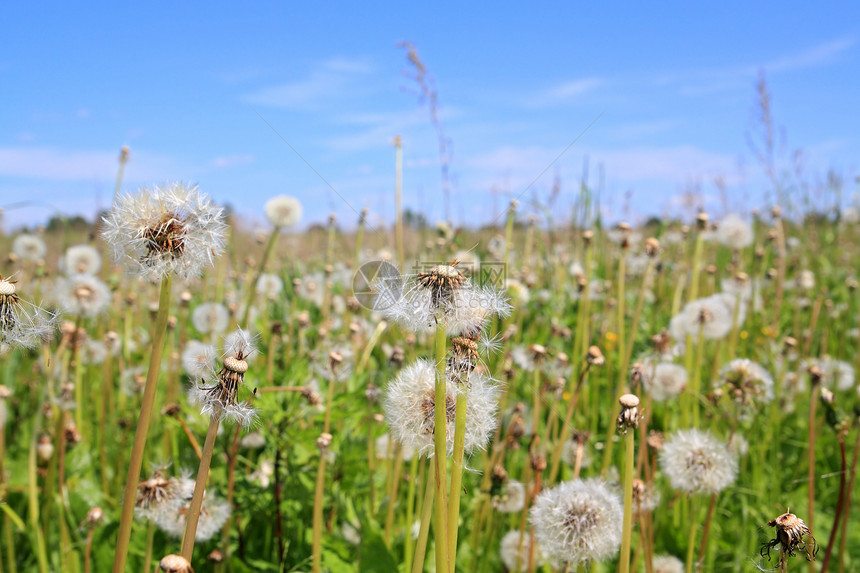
(193, 89)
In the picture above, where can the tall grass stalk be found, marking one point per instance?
(147, 403)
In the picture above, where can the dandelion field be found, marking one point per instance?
(308, 391)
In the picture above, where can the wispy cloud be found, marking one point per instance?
(712, 80)
(565, 92)
(327, 80)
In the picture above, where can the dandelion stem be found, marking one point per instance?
(440, 439)
(456, 475)
(199, 486)
(33, 509)
(140, 433)
(565, 428)
(810, 512)
(839, 505)
(316, 549)
(847, 509)
(627, 531)
(703, 549)
(424, 532)
(410, 508)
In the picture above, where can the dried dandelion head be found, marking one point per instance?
(792, 534)
(170, 229)
(175, 564)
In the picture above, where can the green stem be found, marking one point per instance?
(147, 403)
(627, 527)
(33, 502)
(424, 532)
(410, 508)
(316, 545)
(193, 515)
(440, 442)
(456, 475)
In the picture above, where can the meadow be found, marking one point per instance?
(678, 395)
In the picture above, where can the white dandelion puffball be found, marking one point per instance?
(198, 359)
(663, 380)
(578, 521)
(171, 229)
(734, 232)
(81, 260)
(511, 498)
(712, 316)
(514, 551)
(667, 564)
(83, 295)
(410, 405)
(29, 247)
(838, 374)
(283, 211)
(270, 285)
(696, 462)
(210, 317)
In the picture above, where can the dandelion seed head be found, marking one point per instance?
(81, 260)
(210, 317)
(198, 359)
(667, 564)
(169, 229)
(696, 462)
(734, 232)
(514, 550)
(283, 211)
(410, 405)
(83, 295)
(29, 247)
(578, 521)
(664, 380)
(511, 498)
